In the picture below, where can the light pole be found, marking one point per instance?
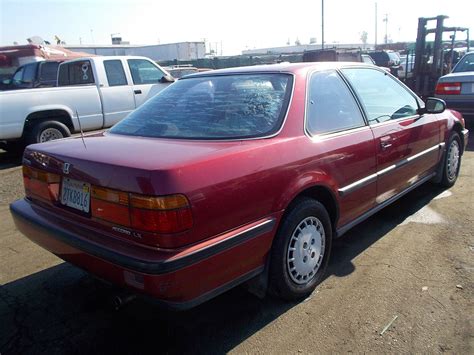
(375, 26)
(322, 24)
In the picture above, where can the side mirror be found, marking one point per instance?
(6, 82)
(167, 79)
(435, 105)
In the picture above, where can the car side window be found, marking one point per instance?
(76, 73)
(331, 106)
(383, 97)
(49, 71)
(115, 73)
(29, 74)
(18, 77)
(144, 72)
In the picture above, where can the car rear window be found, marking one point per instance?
(465, 64)
(213, 107)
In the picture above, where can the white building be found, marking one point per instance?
(157, 52)
(302, 47)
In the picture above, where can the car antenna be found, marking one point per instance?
(80, 128)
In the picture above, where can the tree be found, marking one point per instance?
(363, 37)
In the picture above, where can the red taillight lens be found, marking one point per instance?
(448, 89)
(111, 212)
(164, 214)
(161, 221)
(41, 184)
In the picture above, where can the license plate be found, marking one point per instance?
(76, 194)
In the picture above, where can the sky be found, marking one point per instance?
(237, 25)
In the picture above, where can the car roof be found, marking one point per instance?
(280, 68)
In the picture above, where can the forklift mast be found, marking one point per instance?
(429, 61)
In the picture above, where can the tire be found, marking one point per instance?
(297, 279)
(46, 131)
(451, 161)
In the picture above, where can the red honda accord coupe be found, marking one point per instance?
(236, 174)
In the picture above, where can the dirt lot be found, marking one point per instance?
(413, 260)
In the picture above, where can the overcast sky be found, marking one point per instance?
(239, 24)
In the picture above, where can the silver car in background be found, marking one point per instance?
(457, 88)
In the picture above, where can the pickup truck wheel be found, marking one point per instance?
(452, 160)
(301, 250)
(47, 131)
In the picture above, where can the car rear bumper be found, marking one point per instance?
(180, 278)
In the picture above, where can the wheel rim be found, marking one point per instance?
(453, 160)
(306, 250)
(50, 134)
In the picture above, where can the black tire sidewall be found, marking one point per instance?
(34, 135)
(281, 283)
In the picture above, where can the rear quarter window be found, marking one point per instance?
(331, 106)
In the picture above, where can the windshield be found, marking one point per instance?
(213, 107)
(465, 64)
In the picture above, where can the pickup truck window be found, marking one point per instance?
(75, 73)
(115, 73)
(49, 71)
(29, 73)
(331, 106)
(213, 107)
(144, 72)
(18, 77)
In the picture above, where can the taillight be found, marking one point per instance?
(110, 205)
(41, 184)
(162, 214)
(448, 89)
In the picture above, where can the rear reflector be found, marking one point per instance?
(448, 89)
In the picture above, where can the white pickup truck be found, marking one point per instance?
(101, 90)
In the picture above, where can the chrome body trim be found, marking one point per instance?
(373, 177)
(340, 231)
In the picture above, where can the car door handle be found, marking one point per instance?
(137, 92)
(385, 145)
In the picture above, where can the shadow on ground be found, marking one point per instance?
(9, 160)
(64, 310)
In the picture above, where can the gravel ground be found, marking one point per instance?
(411, 263)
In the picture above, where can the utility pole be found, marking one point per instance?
(322, 24)
(375, 25)
(386, 28)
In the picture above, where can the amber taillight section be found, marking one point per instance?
(41, 184)
(163, 214)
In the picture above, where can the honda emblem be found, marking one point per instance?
(66, 168)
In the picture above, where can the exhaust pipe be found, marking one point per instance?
(120, 300)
